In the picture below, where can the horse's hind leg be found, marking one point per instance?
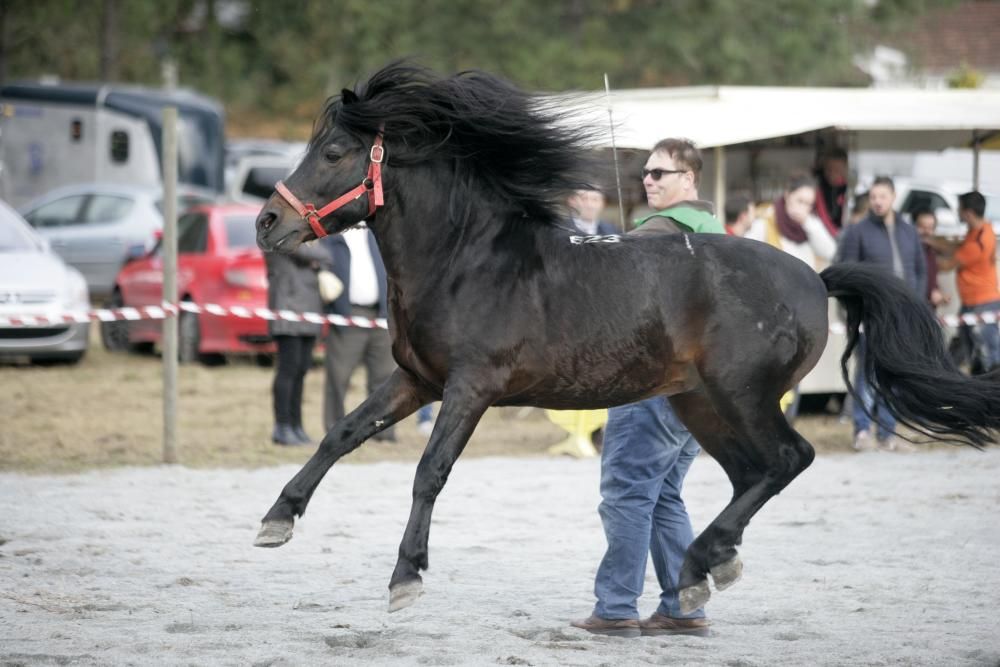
(760, 454)
(397, 398)
(461, 410)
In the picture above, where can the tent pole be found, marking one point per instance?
(720, 182)
(975, 160)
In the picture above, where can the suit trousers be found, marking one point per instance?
(346, 349)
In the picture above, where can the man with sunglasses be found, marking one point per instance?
(647, 450)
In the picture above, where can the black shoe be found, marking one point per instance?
(384, 437)
(301, 434)
(284, 434)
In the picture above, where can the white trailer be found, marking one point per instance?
(60, 134)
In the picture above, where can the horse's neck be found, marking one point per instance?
(422, 245)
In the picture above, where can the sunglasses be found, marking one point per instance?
(657, 174)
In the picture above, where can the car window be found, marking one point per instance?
(59, 213)
(992, 208)
(260, 181)
(185, 202)
(107, 208)
(923, 199)
(192, 233)
(241, 232)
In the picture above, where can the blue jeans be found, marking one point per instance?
(867, 399)
(425, 413)
(985, 337)
(647, 452)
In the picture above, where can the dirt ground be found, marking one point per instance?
(868, 559)
(107, 411)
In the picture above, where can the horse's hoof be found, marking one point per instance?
(404, 594)
(694, 597)
(274, 533)
(726, 574)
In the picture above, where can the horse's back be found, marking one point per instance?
(735, 301)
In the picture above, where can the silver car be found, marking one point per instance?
(96, 226)
(37, 283)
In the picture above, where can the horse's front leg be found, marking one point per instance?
(461, 410)
(395, 399)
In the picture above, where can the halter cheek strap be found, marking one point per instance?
(372, 185)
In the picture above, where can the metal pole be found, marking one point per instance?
(169, 248)
(975, 161)
(614, 152)
(720, 182)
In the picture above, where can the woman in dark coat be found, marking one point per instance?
(293, 286)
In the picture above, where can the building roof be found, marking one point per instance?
(942, 40)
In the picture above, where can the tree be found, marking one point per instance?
(278, 59)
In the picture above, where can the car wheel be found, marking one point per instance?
(114, 335)
(67, 358)
(189, 338)
(145, 347)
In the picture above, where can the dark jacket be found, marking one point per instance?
(292, 285)
(868, 241)
(339, 252)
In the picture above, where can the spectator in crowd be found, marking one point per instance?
(585, 208)
(975, 259)
(791, 226)
(739, 214)
(647, 449)
(884, 240)
(926, 222)
(859, 208)
(831, 175)
(358, 265)
(293, 286)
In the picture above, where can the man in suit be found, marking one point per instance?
(585, 208)
(358, 265)
(885, 240)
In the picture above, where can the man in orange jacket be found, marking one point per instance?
(975, 260)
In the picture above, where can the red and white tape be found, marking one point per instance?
(163, 310)
(160, 312)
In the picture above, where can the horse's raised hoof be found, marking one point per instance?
(274, 533)
(404, 594)
(694, 597)
(726, 574)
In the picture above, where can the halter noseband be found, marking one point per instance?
(372, 185)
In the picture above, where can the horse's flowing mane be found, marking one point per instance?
(501, 140)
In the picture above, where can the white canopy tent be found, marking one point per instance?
(714, 116)
(720, 116)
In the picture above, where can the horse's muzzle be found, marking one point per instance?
(266, 221)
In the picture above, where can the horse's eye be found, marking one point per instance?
(332, 155)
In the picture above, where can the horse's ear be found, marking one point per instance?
(348, 96)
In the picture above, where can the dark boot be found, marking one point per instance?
(284, 434)
(301, 435)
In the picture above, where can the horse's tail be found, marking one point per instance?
(906, 361)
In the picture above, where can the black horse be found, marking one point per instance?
(491, 302)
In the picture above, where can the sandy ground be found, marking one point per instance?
(867, 559)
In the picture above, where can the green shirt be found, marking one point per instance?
(693, 219)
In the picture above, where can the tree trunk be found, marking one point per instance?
(109, 41)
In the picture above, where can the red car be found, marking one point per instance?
(218, 262)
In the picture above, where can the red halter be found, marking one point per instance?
(372, 185)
